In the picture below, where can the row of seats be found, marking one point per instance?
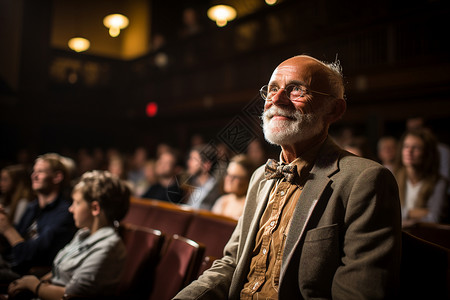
(202, 226)
(168, 247)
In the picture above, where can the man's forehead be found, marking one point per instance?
(293, 70)
(42, 164)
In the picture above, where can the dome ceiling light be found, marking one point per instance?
(115, 23)
(221, 14)
(79, 44)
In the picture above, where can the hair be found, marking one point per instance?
(244, 161)
(20, 189)
(176, 155)
(56, 163)
(208, 153)
(112, 193)
(335, 76)
(428, 170)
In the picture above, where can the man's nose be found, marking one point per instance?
(280, 97)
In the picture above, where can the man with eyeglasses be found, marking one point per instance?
(321, 223)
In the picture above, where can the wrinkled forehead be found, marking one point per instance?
(306, 70)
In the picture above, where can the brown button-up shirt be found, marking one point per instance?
(264, 274)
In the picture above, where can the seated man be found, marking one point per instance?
(321, 223)
(93, 261)
(203, 187)
(46, 225)
(167, 188)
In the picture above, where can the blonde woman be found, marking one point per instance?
(15, 185)
(423, 191)
(235, 186)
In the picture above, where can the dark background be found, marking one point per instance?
(395, 58)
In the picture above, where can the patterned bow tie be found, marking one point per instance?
(274, 170)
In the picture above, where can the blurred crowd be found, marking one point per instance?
(212, 177)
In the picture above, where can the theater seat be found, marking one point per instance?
(212, 230)
(143, 250)
(424, 269)
(178, 266)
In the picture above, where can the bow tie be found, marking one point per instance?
(274, 170)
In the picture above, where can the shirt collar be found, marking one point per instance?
(304, 162)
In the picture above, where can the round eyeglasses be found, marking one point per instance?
(292, 91)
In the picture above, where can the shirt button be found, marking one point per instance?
(282, 193)
(272, 223)
(264, 251)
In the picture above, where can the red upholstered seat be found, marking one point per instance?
(212, 230)
(137, 214)
(178, 266)
(143, 250)
(167, 217)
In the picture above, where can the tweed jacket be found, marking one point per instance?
(344, 240)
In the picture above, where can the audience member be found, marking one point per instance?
(223, 157)
(423, 190)
(136, 173)
(91, 264)
(256, 152)
(161, 148)
(203, 188)
(190, 26)
(15, 185)
(235, 186)
(167, 187)
(150, 175)
(46, 226)
(197, 140)
(117, 165)
(386, 151)
(359, 145)
(320, 224)
(416, 122)
(85, 161)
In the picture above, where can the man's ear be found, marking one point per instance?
(95, 208)
(58, 177)
(337, 111)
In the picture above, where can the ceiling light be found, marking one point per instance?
(115, 23)
(221, 14)
(79, 44)
(271, 2)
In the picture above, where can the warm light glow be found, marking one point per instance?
(115, 23)
(221, 14)
(79, 44)
(271, 2)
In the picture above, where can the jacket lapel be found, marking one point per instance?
(311, 196)
(241, 271)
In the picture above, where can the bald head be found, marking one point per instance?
(321, 76)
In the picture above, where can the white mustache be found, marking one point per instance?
(276, 111)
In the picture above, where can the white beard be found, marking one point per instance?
(299, 127)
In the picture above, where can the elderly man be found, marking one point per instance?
(321, 223)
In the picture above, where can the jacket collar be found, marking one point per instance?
(313, 194)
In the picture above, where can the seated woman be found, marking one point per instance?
(423, 190)
(235, 186)
(92, 262)
(15, 186)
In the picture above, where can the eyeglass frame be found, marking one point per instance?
(303, 88)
